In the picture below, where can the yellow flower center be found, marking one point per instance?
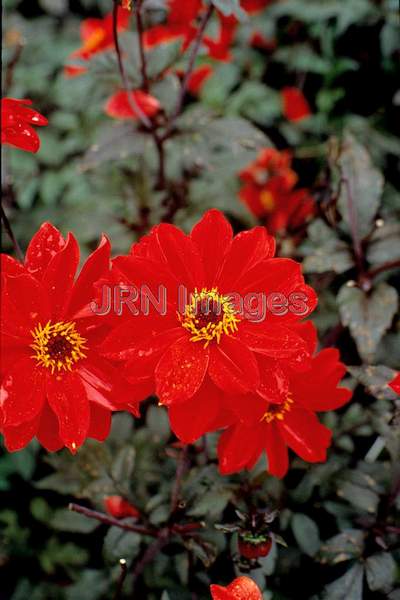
(208, 316)
(57, 346)
(267, 200)
(278, 411)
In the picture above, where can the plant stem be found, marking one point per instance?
(121, 579)
(382, 268)
(189, 71)
(8, 228)
(139, 27)
(94, 514)
(181, 469)
(150, 553)
(131, 98)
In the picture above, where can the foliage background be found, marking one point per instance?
(340, 519)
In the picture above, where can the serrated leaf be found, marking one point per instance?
(124, 464)
(115, 142)
(384, 244)
(306, 533)
(121, 544)
(359, 496)
(66, 520)
(361, 188)
(367, 316)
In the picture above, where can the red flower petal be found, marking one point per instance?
(181, 371)
(68, 399)
(395, 384)
(22, 393)
(212, 236)
(198, 78)
(59, 276)
(239, 447)
(277, 453)
(97, 265)
(10, 266)
(248, 249)
(42, 248)
(47, 433)
(204, 405)
(295, 105)
(100, 422)
(16, 438)
(305, 435)
(272, 340)
(233, 368)
(24, 305)
(120, 107)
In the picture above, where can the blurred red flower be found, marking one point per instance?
(268, 192)
(241, 588)
(201, 344)
(180, 23)
(198, 78)
(295, 105)
(254, 6)
(17, 119)
(282, 414)
(55, 384)
(395, 384)
(97, 36)
(120, 107)
(118, 507)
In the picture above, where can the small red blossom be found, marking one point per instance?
(267, 422)
(219, 49)
(295, 105)
(119, 105)
(55, 384)
(198, 78)
(253, 7)
(267, 190)
(118, 507)
(201, 345)
(395, 384)
(180, 24)
(17, 119)
(241, 588)
(97, 36)
(259, 40)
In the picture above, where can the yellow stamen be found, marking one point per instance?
(267, 200)
(57, 346)
(208, 316)
(278, 411)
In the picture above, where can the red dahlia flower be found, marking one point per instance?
(97, 36)
(55, 384)
(266, 423)
(395, 384)
(16, 124)
(295, 105)
(268, 192)
(119, 106)
(118, 507)
(241, 588)
(201, 343)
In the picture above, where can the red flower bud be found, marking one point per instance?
(119, 508)
(254, 547)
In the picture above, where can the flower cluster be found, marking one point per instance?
(268, 191)
(227, 350)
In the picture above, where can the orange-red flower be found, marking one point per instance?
(202, 343)
(198, 78)
(395, 384)
(253, 7)
(281, 413)
(96, 36)
(241, 588)
(17, 119)
(120, 106)
(267, 190)
(118, 507)
(295, 105)
(55, 384)
(180, 23)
